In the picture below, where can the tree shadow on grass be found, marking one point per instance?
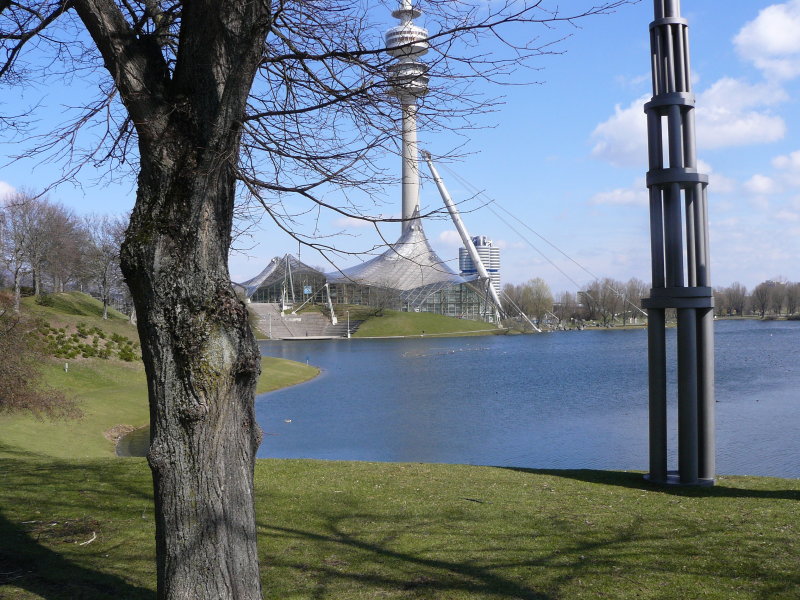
(28, 565)
(536, 556)
(636, 481)
(411, 574)
(50, 508)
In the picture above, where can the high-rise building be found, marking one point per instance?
(489, 255)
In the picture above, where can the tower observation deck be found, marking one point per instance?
(408, 80)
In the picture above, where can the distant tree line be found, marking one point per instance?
(772, 298)
(46, 248)
(608, 301)
(603, 301)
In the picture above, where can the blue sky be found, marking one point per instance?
(568, 156)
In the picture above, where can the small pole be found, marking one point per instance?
(270, 327)
(348, 324)
(66, 367)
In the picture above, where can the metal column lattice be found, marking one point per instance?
(678, 209)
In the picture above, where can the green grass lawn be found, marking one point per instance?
(344, 530)
(398, 323)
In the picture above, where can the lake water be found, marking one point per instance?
(561, 400)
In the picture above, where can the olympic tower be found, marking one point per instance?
(408, 79)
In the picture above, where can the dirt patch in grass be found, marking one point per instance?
(114, 434)
(71, 531)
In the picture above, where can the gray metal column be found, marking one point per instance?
(680, 257)
(657, 370)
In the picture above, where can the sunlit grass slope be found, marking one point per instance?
(109, 392)
(70, 308)
(397, 323)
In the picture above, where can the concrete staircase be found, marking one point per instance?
(301, 325)
(340, 329)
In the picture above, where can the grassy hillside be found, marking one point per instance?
(110, 392)
(70, 308)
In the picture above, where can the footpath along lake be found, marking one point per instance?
(560, 400)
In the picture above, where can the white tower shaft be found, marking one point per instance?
(410, 164)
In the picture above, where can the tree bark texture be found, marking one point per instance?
(201, 359)
(202, 365)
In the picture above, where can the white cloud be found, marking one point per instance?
(350, 222)
(718, 182)
(787, 215)
(762, 185)
(637, 195)
(505, 244)
(731, 112)
(450, 237)
(789, 161)
(789, 165)
(622, 138)
(721, 205)
(736, 95)
(771, 41)
(760, 203)
(6, 189)
(633, 82)
(632, 196)
(725, 115)
(729, 223)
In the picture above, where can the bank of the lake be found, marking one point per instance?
(112, 395)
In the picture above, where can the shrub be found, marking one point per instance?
(44, 299)
(22, 350)
(127, 354)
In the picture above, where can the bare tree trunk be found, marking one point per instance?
(202, 364)
(199, 353)
(17, 291)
